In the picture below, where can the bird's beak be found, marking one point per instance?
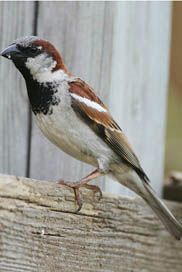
(10, 51)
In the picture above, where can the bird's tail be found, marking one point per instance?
(167, 218)
(141, 186)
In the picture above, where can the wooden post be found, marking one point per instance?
(39, 231)
(16, 20)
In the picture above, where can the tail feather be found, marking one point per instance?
(167, 218)
(141, 186)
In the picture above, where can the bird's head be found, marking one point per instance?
(34, 57)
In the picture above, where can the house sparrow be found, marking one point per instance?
(73, 117)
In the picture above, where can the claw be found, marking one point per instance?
(75, 188)
(95, 189)
(83, 183)
(78, 199)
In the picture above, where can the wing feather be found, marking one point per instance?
(105, 127)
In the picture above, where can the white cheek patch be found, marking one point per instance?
(40, 65)
(89, 103)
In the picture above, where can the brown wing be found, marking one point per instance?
(82, 89)
(103, 125)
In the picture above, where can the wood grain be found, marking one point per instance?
(139, 75)
(121, 49)
(40, 232)
(16, 19)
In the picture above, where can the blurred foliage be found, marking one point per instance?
(173, 160)
(174, 114)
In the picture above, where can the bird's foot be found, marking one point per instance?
(76, 188)
(95, 189)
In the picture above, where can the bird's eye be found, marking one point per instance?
(34, 50)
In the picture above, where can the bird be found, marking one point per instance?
(71, 115)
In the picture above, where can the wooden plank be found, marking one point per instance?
(121, 49)
(40, 232)
(140, 64)
(13, 102)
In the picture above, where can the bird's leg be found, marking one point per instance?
(83, 183)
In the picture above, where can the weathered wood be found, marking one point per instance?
(40, 232)
(16, 19)
(121, 49)
(140, 62)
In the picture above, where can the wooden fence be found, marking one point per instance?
(120, 48)
(39, 232)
